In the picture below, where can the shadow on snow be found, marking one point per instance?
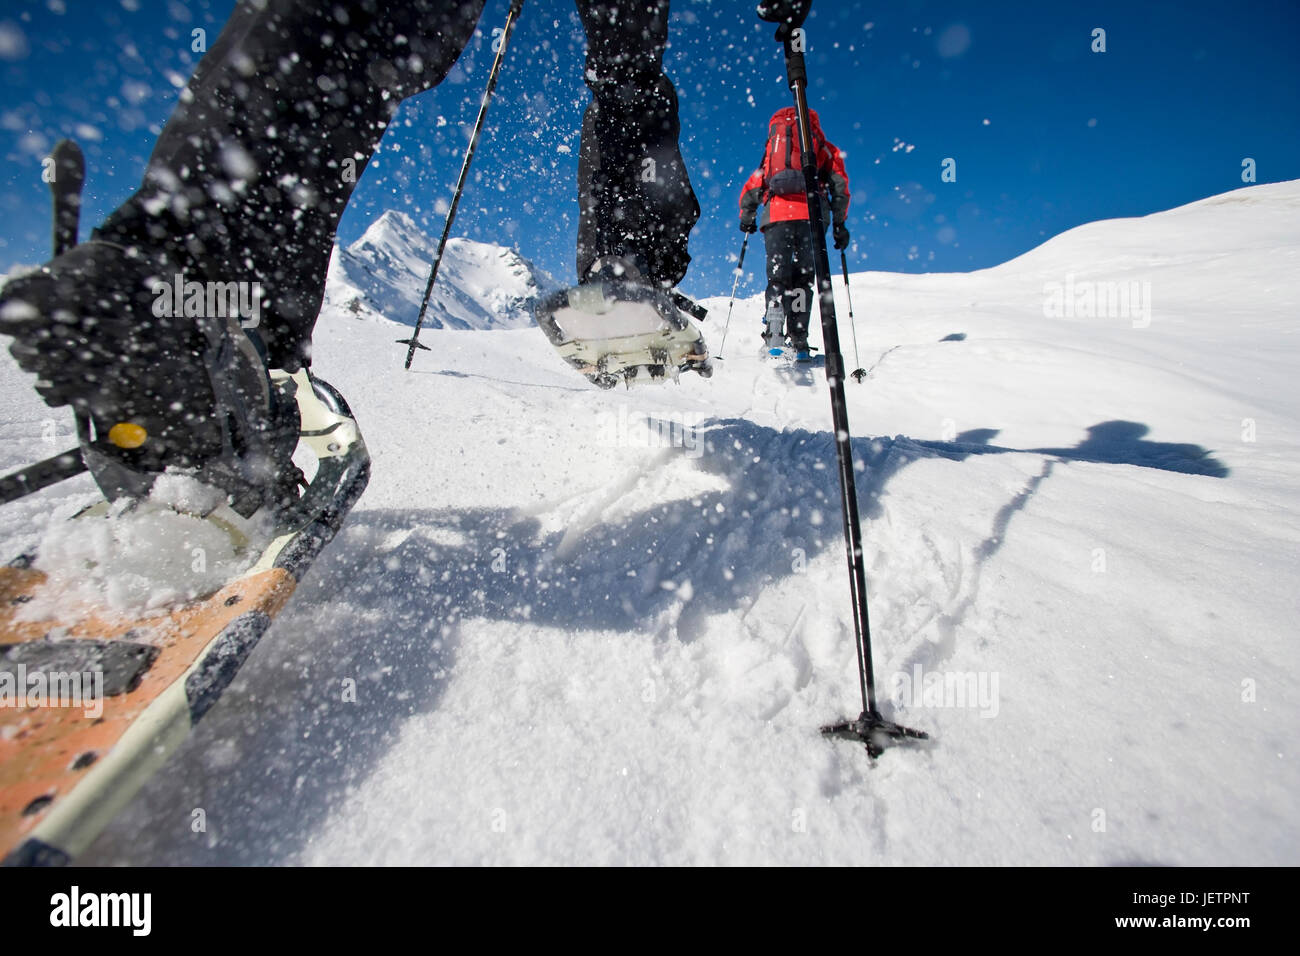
(282, 748)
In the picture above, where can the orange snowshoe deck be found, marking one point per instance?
(68, 765)
(47, 751)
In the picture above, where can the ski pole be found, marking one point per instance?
(65, 197)
(414, 341)
(735, 283)
(859, 373)
(65, 191)
(41, 475)
(871, 728)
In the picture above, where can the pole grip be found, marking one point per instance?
(796, 71)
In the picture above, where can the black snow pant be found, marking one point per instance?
(253, 170)
(790, 276)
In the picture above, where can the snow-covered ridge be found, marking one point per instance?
(480, 285)
(1246, 221)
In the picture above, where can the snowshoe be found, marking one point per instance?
(616, 329)
(68, 765)
(773, 347)
(774, 350)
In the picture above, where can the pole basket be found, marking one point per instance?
(874, 731)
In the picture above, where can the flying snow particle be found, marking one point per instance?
(236, 162)
(34, 144)
(13, 42)
(954, 41)
(135, 92)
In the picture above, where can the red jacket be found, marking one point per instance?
(831, 176)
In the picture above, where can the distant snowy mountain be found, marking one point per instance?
(480, 286)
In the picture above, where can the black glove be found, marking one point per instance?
(748, 224)
(841, 236)
(790, 13)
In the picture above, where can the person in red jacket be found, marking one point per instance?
(777, 188)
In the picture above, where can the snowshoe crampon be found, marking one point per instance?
(69, 763)
(623, 332)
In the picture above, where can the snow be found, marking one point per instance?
(150, 556)
(573, 626)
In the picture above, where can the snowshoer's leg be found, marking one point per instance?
(797, 274)
(635, 198)
(623, 322)
(245, 185)
(257, 162)
(774, 327)
(778, 268)
(784, 283)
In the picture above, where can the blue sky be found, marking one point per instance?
(1046, 134)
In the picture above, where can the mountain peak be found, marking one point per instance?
(480, 285)
(391, 228)
(394, 215)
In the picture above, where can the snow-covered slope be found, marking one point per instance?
(480, 286)
(603, 627)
